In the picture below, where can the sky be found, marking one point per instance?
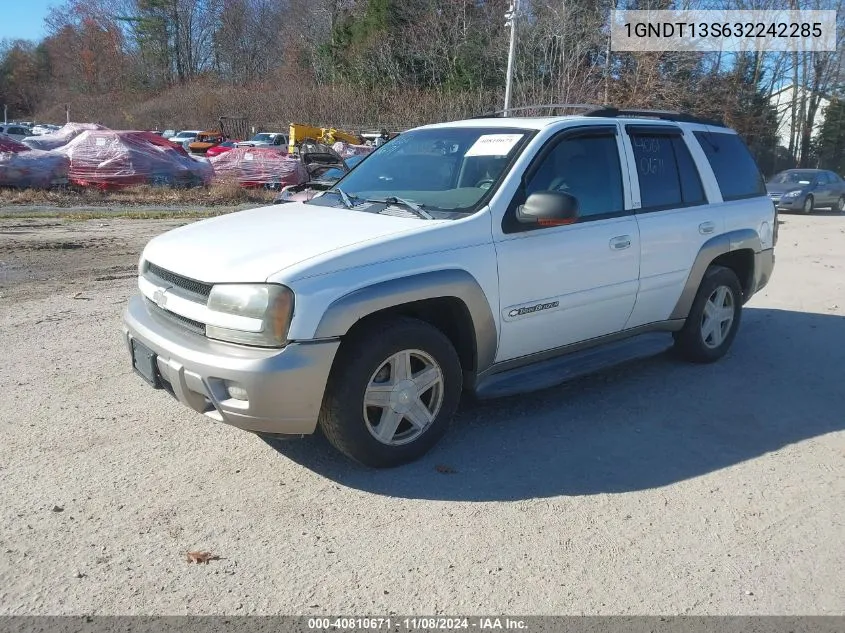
(23, 19)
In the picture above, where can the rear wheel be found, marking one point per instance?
(840, 204)
(714, 318)
(393, 388)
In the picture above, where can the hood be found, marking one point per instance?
(772, 187)
(250, 246)
(200, 146)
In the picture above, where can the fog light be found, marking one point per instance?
(236, 390)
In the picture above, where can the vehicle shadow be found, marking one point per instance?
(639, 426)
(820, 212)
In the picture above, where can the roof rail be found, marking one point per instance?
(664, 115)
(552, 106)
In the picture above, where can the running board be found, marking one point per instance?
(558, 370)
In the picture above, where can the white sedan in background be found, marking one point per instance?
(15, 131)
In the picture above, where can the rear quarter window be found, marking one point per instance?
(735, 169)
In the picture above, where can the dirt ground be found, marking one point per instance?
(653, 488)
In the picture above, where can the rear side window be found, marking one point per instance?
(691, 187)
(666, 172)
(736, 172)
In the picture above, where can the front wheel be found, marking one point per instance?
(393, 388)
(840, 204)
(714, 318)
(808, 205)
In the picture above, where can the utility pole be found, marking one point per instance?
(5, 114)
(67, 113)
(607, 54)
(511, 20)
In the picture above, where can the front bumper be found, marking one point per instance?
(786, 204)
(284, 386)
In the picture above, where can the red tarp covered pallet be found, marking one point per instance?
(108, 159)
(259, 167)
(60, 137)
(22, 167)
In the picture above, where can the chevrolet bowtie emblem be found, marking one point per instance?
(160, 297)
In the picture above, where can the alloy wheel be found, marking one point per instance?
(403, 397)
(718, 317)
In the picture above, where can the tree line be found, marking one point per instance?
(399, 63)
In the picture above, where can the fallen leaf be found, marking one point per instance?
(201, 557)
(444, 469)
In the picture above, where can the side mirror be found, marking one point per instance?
(548, 208)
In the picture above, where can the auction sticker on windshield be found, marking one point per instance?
(494, 144)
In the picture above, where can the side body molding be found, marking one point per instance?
(710, 250)
(344, 312)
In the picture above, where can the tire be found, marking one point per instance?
(700, 341)
(808, 205)
(840, 204)
(363, 367)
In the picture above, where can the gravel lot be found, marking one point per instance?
(653, 488)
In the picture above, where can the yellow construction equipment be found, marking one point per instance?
(328, 136)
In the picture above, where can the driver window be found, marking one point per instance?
(586, 167)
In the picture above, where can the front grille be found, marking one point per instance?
(189, 324)
(196, 288)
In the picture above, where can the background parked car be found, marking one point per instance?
(807, 189)
(15, 131)
(168, 133)
(44, 128)
(206, 141)
(323, 174)
(266, 139)
(223, 147)
(185, 138)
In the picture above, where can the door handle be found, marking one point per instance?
(620, 242)
(706, 227)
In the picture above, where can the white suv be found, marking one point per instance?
(494, 255)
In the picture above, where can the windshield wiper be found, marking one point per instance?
(347, 201)
(422, 213)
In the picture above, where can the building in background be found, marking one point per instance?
(789, 100)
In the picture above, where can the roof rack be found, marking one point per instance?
(552, 106)
(663, 115)
(608, 111)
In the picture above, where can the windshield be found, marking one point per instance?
(262, 137)
(794, 178)
(446, 169)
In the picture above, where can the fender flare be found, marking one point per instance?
(350, 308)
(710, 250)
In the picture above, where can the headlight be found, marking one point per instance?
(792, 194)
(252, 314)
